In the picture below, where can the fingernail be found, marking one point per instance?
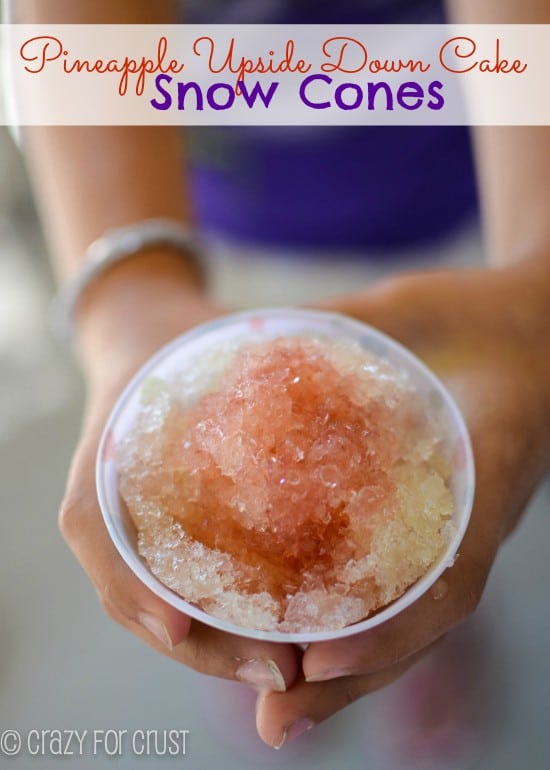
(294, 731)
(331, 673)
(157, 628)
(439, 590)
(261, 674)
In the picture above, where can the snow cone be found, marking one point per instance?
(286, 474)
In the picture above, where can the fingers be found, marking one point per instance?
(425, 310)
(453, 598)
(401, 306)
(337, 673)
(499, 448)
(392, 642)
(261, 665)
(282, 717)
(130, 603)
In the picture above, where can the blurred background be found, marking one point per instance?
(484, 702)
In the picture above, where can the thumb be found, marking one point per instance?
(420, 310)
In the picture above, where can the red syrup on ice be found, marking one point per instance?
(302, 491)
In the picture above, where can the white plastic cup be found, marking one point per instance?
(186, 352)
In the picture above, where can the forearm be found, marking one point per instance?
(514, 178)
(124, 175)
(513, 162)
(513, 166)
(88, 180)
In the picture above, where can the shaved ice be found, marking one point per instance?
(295, 484)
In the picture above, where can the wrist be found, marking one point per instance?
(134, 308)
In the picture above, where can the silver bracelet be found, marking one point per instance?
(112, 247)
